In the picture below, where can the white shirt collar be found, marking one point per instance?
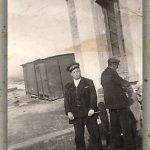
(76, 82)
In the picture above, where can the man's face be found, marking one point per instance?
(115, 66)
(76, 74)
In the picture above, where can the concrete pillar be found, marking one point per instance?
(88, 40)
(75, 32)
(100, 32)
(3, 75)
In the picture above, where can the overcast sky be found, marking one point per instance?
(36, 29)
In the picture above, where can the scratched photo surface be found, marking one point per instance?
(44, 37)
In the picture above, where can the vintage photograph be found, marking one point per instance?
(75, 75)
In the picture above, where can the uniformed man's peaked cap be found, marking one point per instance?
(113, 60)
(72, 66)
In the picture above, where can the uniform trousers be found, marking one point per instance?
(120, 122)
(93, 130)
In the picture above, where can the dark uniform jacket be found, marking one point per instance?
(113, 86)
(81, 99)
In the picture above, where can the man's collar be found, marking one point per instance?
(112, 68)
(77, 80)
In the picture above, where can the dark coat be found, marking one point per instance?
(81, 99)
(113, 86)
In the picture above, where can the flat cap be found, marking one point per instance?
(113, 60)
(72, 66)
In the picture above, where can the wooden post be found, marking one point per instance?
(3, 75)
(146, 64)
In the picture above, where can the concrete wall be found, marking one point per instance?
(84, 33)
(131, 16)
(91, 37)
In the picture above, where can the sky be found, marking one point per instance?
(36, 29)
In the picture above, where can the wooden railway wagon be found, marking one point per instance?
(46, 78)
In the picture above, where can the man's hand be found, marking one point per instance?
(70, 116)
(91, 112)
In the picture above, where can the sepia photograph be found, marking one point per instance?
(75, 75)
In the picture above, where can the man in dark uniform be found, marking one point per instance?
(117, 102)
(80, 104)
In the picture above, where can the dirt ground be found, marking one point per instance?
(29, 118)
(35, 119)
